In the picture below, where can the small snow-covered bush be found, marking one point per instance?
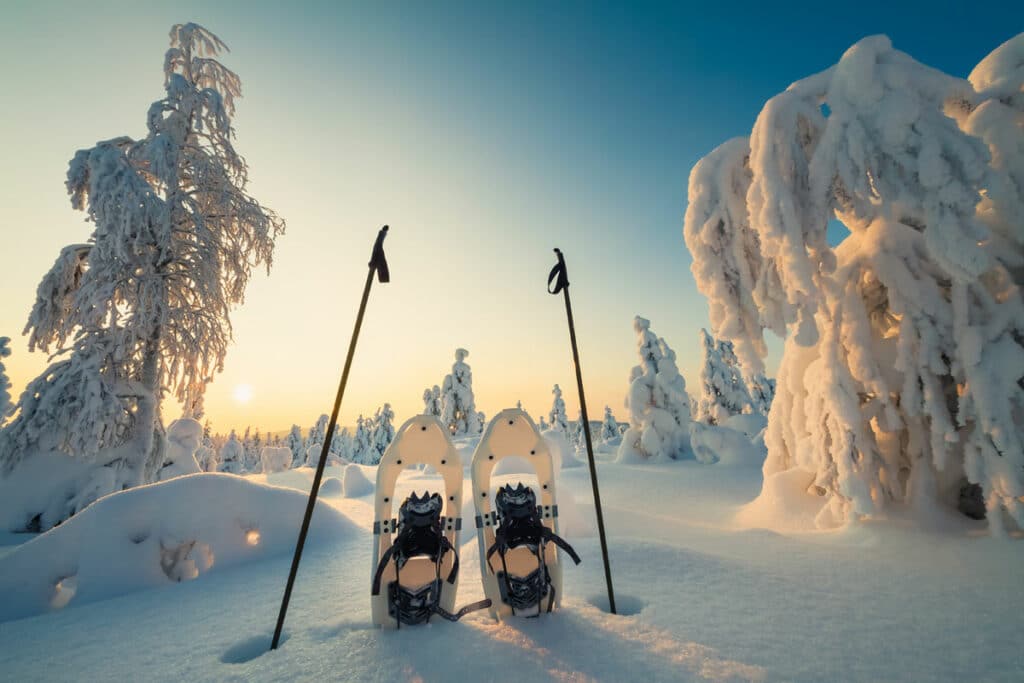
(355, 483)
(184, 437)
(458, 407)
(275, 459)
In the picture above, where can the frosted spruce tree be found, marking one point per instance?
(723, 393)
(382, 434)
(609, 427)
(762, 392)
(458, 410)
(232, 455)
(432, 401)
(295, 444)
(557, 417)
(341, 444)
(316, 435)
(361, 440)
(901, 378)
(659, 407)
(140, 310)
(6, 407)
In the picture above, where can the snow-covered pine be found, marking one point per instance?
(659, 407)
(557, 417)
(762, 392)
(723, 392)
(432, 401)
(184, 437)
(341, 444)
(543, 426)
(141, 310)
(6, 407)
(901, 376)
(295, 444)
(231, 455)
(361, 440)
(458, 409)
(382, 434)
(316, 435)
(609, 426)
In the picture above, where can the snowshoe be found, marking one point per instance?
(518, 539)
(415, 559)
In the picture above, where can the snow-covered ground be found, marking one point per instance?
(701, 597)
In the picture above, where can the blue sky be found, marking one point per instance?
(485, 133)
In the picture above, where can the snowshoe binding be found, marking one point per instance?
(518, 538)
(415, 559)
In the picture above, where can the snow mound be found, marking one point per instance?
(750, 424)
(725, 446)
(331, 487)
(355, 483)
(786, 503)
(153, 535)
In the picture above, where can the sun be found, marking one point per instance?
(243, 393)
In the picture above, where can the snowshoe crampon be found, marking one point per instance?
(415, 559)
(518, 538)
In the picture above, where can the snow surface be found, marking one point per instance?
(705, 595)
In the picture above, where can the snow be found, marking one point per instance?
(702, 595)
(184, 437)
(355, 483)
(275, 458)
(149, 536)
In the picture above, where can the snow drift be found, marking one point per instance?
(153, 535)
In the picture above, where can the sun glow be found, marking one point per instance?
(242, 393)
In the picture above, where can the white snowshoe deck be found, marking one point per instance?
(513, 433)
(422, 439)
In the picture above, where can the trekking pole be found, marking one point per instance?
(379, 265)
(560, 276)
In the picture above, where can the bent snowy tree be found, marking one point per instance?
(141, 309)
(901, 378)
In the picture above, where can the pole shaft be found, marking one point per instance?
(590, 451)
(323, 461)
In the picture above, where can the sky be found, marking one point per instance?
(484, 134)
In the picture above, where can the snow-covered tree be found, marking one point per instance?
(318, 432)
(659, 407)
(296, 445)
(232, 455)
(762, 391)
(381, 435)
(341, 444)
(609, 427)
(458, 409)
(901, 377)
(543, 426)
(557, 417)
(361, 440)
(432, 401)
(141, 310)
(723, 391)
(6, 407)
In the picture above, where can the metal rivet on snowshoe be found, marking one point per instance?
(444, 462)
(387, 500)
(510, 421)
(451, 497)
(483, 494)
(533, 452)
(423, 428)
(545, 485)
(490, 457)
(398, 462)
